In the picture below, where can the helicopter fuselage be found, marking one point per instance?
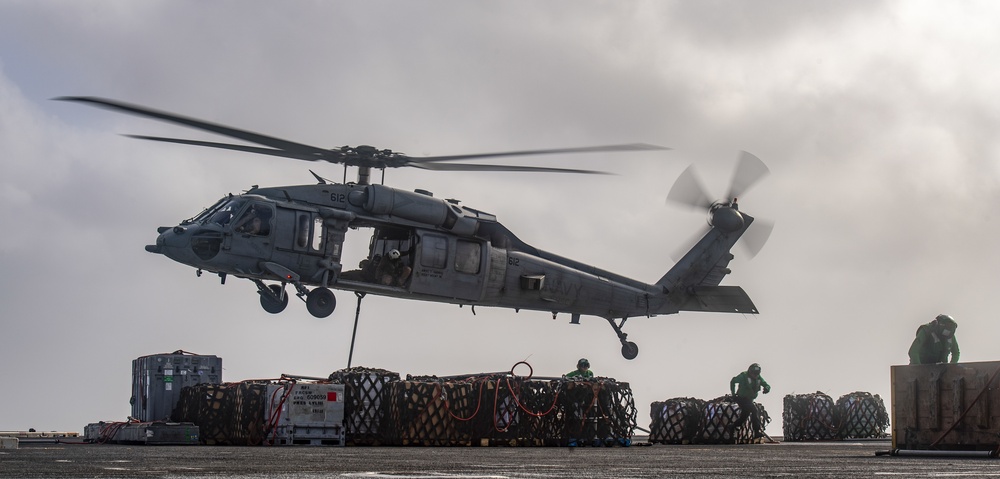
(425, 248)
(458, 255)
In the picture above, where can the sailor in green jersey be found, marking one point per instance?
(935, 341)
(750, 383)
(582, 370)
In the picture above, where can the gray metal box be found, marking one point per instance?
(305, 414)
(149, 433)
(157, 381)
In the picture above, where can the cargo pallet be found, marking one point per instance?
(952, 407)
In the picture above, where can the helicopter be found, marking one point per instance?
(425, 248)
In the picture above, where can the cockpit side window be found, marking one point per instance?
(256, 220)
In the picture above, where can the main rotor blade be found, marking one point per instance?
(471, 167)
(252, 137)
(348, 156)
(586, 149)
(230, 146)
(688, 190)
(749, 170)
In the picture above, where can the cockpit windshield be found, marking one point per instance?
(226, 212)
(207, 212)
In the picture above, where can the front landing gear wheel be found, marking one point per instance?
(321, 302)
(270, 300)
(630, 350)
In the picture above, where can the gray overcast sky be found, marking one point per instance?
(878, 120)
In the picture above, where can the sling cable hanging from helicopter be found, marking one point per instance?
(357, 314)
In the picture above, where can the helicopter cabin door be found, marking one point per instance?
(251, 234)
(300, 241)
(450, 267)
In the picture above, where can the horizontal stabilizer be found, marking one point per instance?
(719, 299)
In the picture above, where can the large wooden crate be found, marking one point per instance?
(946, 406)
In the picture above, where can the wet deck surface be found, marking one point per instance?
(834, 459)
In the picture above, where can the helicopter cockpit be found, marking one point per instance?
(255, 219)
(200, 239)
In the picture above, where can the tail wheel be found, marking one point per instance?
(630, 350)
(321, 302)
(270, 302)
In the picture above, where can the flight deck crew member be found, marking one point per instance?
(935, 341)
(750, 383)
(582, 370)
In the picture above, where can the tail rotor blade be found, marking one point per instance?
(688, 190)
(756, 236)
(749, 170)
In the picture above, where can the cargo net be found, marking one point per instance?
(862, 415)
(676, 421)
(226, 414)
(598, 411)
(721, 416)
(809, 417)
(365, 391)
(508, 410)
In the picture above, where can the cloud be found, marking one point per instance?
(877, 120)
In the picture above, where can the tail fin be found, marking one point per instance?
(693, 283)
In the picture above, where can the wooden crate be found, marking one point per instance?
(946, 406)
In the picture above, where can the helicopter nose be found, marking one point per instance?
(161, 240)
(173, 242)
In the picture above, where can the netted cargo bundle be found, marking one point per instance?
(500, 409)
(507, 410)
(226, 414)
(862, 415)
(420, 413)
(538, 402)
(809, 417)
(622, 411)
(721, 415)
(365, 404)
(597, 411)
(676, 421)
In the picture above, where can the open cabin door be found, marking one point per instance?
(450, 267)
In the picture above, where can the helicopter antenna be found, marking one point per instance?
(321, 180)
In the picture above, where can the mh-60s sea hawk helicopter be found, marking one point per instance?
(429, 249)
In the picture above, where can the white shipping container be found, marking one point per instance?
(300, 413)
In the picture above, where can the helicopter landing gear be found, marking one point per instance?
(629, 349)
(321, 302)
(272, 298)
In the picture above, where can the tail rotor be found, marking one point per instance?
(688, 191)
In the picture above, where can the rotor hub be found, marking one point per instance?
(726, 218)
